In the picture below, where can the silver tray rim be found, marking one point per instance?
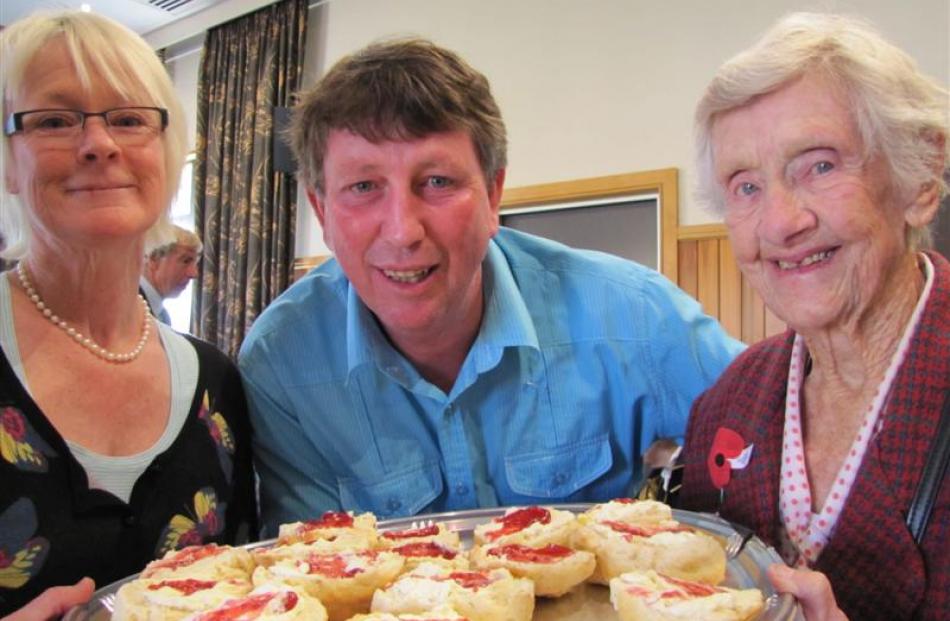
(779, 607)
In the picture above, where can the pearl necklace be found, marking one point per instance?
(78, 336)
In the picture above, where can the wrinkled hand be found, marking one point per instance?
(54, 602)
(811, 589)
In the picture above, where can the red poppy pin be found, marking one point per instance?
(729, 452)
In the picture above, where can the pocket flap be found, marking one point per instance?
(561, 471)
(397, 494)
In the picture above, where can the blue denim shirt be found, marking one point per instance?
(582, 361)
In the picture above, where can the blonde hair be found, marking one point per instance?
(98, 45)
(900, 113)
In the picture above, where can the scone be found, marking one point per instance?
(434, 543)
(343, 581)
(554, 569)
(530, 526)
(443, 613)
(420, 552)
(267, 603)
(331, 525)
(486, 595)
(641, 535)
(173, 599)
(347, 541)
(207, 562)
(438, 533)
(649, 596)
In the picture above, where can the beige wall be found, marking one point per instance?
(598, 87)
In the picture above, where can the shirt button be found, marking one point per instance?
(129, 520)
(560, 478)
(461, 489)
(393, 505)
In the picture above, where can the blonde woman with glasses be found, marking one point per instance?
(119, 439)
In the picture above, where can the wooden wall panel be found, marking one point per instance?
(688, 272)
(708, 271)
(730, 291)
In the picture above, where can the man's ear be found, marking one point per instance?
(495, 189)
(149, 267)
(318, 203)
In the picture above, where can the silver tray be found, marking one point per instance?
(586, 602)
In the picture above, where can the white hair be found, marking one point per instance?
(901, 114)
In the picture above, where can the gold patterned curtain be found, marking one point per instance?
(245, 211)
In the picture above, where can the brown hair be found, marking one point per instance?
(397, 90)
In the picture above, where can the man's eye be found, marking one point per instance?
(823, 167)
(362, 186)
(438, 181)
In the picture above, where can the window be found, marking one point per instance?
(182, 214)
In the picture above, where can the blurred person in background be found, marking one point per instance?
(168, 270)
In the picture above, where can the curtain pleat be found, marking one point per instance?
(245, 211)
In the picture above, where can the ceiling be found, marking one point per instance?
(142, 16)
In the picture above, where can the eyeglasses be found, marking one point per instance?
(129, 126)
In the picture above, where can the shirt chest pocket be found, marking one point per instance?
(396, 494)
(561, 471)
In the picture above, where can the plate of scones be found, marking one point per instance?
(623, 560)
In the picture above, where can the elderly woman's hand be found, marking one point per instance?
(54, 602)
(811, 588)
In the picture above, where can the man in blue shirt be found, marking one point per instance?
(440, 362)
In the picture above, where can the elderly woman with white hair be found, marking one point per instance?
(825, 149)
(120, 439)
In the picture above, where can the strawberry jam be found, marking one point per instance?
(519, 520)
(526, 554)
(425, 549)
(185, 587)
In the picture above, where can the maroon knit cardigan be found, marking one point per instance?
(875, 567)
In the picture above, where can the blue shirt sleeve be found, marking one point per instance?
(687, 352)
(295, 482)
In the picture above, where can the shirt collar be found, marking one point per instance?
(152, 295)
(506, 323)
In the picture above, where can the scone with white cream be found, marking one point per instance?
(267, 603)
(207, 562)
(530, 526)
(650, 596)
(343, 581)
(171, 599)
(554, 569)
(639, 535)
(485, 595)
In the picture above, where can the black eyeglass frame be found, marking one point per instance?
(14, 122)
